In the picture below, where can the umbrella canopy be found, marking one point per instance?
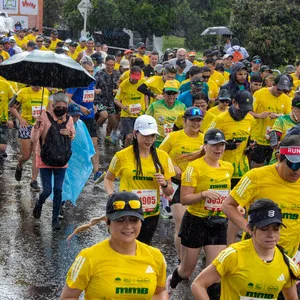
(45, 68)
(221, 30)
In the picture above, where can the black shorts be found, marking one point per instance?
(91, 126)
(176, 196)
(196, 232)
(127, 125)
(261, 154)
(148, 228)
(3, 134)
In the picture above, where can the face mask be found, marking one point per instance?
(237, 114)
(60, 111)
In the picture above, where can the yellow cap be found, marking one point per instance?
(171, 85)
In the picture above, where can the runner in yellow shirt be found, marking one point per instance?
(215, 75)
(131, 102)
(33, 35)
(40, 43)
(141, 48)
(21, 39)
(223, 100)
(269, 104)
(281, 183)
(30, 100)
(143, 170)
(178, 144)
(205, 184)
(167, 110)
(255, 268)
(54, 39)
(103, 270)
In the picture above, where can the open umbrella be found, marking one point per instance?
(221, 30)
(46, 69)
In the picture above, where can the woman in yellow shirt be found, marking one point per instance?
(204, 185)
(143, 170)
(255, 268)
(119, 267)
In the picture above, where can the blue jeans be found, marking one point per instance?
(46, 176)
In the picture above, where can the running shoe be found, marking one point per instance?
(18, 173)
(166, 213)
(34, 186)
(168, 286)
(37, 211)
(99, 177)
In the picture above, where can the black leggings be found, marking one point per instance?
(148, 228)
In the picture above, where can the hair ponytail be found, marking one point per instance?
(194, 155)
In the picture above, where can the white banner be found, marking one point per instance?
(29, 7)
(9, 6)
(22, 19)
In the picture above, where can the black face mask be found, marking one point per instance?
(60, 111)
(236, 113)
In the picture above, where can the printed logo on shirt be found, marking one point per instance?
(281, 278)
(149, 270)
(258, 295)
(290, 216)
(132, 290)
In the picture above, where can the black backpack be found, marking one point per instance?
(56, 151)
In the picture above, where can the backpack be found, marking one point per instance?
(56, 151)
(237, 55)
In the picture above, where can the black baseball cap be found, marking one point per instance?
(264, 68)
(193, 113)
(181, 63)
(256, 59)
(123, 204)
(244, 100)
(264, 212)
(214, 136)
(296, 102)
(197, 83)
(283, 83)
(224, 94)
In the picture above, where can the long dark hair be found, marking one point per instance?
(139, 171)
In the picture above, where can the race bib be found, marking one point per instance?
(168, 128)
(135, 108)
(268, 130)
(148, 198)
(215, 205)
(88, 96)
(37, 111)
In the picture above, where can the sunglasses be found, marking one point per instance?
(171, 93)
(205, 77)
(39, 41)
(293, 166)
(120, 204)
(224, 101)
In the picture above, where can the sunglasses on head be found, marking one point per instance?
(121, 204)
(293, 166)
(195, 112)
(171, 93)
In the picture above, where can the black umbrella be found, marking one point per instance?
(221, 30)
(46, 69)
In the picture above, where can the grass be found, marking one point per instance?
(173, 41)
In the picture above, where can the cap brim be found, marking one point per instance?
(123, 213)
(148, 131)
(264, 223)
(246, 107)
(193, 117)
(293, 158)
(171, 89)
(283, 87)
(214, 142)
(223, 99)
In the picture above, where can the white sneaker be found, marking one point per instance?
(168, 286)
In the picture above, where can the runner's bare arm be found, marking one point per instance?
(109, 182)
(187, 195)
(160, 294)
(205, 279)
(290, 293)
(70, 294)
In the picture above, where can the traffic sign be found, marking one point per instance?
(85, 7)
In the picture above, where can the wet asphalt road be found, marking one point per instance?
(34, 259)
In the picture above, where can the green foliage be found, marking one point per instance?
(267, 28)
(71, 14)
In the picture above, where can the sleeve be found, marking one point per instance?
(288, 106)
(150, 110)
(168, 167)
(246, 189)
(119, 93)
(20, 96)
(115, 165)
(79, 274)
(278, 125)
(162, 272)
(255, 102)
(226, 261)
(166, 144)
(190, 176)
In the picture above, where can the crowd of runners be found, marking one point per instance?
(212, 142)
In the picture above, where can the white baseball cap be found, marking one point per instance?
(146, 125)
(125, 63)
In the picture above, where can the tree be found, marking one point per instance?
(268, 28)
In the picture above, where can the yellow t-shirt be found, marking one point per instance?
(31, 37)
(294, 77)
(117, 66)
(106, 274)
(215, 110)
(213, 91)
(74, 55)
(156, 85)
(197, 63)
(226, 76)
(235, 130)
(79, 48)
(43, 48)
(4, 54)
(203, 177)
(126, 74)
(129, 96)
(6, 93)
(13, 84)
(123, 165)
(22, 43)
(218, 78)
(165, 116)
(145, 58)
(263, 100)
(177, 143)
(53, 44)
(245, 276)
(265, 182)
(31, 103)
(207, 120)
